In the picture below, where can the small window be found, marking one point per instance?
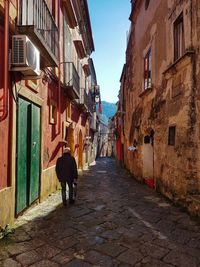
(172, 135)
(52, 113)
(147, 4)
(68, 111)
(148, 70)
(179, 42)
(54, 9)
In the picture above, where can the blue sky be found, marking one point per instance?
(110, 23)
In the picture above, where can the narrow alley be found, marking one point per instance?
(115, 222)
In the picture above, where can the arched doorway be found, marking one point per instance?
(80, 151)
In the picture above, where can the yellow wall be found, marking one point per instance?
(6, 211)
(49, 182)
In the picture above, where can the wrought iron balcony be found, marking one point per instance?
(86, 102)
(91, 103)
(36, 21)
(71, 80)
(83, 100)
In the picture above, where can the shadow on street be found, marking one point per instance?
(115, 222)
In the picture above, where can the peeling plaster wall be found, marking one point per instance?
(172, 100)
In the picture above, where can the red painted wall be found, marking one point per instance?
(3, 125)
(52, 146)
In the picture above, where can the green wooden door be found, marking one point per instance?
(34, 153)
(22, 155)
(28, 154)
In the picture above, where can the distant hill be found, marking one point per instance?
(108, 109)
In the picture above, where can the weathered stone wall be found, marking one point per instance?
(172, 100)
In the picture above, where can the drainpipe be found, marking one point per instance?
(4, 97)
(59, 85)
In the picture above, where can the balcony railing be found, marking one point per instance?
(91, 103)
(36, 21)
(71, 80)
(86, 101)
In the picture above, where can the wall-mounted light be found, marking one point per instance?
(96, 93)
(96, 99)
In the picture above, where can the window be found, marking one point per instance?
(68, 111)
(179, 45)
(146, 4)
(147, 70)
(171, 135)
(52, 113)
(54, 9)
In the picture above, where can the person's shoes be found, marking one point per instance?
(71, 201)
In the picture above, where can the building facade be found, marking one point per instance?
(159, 98)
(102, 148)
(112, 137)
(47, 94)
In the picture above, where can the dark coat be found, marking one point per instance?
(66, 168)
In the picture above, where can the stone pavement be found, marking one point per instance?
(115, 222)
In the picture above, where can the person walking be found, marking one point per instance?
(66, 170)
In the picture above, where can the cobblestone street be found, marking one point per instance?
(115, 222)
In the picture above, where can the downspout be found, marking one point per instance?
(4, 97)
(59, 85)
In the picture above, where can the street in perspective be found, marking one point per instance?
(115, 221)
(100, 133)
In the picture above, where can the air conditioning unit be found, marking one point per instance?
(25, 56)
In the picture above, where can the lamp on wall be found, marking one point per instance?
(96, 93)
(87, 137)
(96, 99)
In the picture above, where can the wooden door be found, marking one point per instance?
(22, 155)
(28, 154)
(34, 153)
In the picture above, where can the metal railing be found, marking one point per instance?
(91, 103)
(83, 97)
(86, 99)
(71, 77)
(36, 13)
